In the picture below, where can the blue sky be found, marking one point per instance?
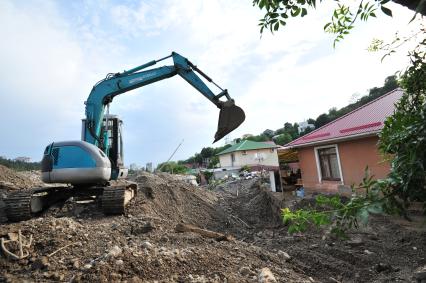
(53, 52)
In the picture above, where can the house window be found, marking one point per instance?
(329, 164)
(244, 152)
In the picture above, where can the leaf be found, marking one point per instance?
(386, 11)
(326, 26)
(276, 26)
(304, 12)
(295, 11)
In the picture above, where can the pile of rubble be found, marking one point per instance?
(12, 180)
(176, 232)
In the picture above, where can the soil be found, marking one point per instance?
(12, 180)
(143, 246)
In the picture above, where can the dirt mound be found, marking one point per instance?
(173, 200)
(75, 242)
(12, 180)
(141, 246)
(252, 202)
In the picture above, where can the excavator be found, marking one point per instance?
(93, 168)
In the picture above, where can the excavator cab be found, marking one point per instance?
(114, 125)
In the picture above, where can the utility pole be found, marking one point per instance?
(171, 156)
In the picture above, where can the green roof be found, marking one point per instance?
(247, 145)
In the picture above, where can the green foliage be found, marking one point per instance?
(339, 215)
(269, 133)
(208, 175)
(404, 134)
(245, 168)
(283, 139)
(172, 167)
(20, 165)
(259, 138)
(214, 161)
(277, 13)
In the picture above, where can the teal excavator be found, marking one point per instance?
(93, 167)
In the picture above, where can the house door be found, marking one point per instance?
(232, 159)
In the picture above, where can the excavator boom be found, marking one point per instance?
(230, 116)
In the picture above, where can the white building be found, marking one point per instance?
(261, 155)
(304, 125)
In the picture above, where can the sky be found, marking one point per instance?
(53, 52)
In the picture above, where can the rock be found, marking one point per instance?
(146, 228)
(268, 233)
(115, 251)
(244, 271)
(367, 252)
(380, 267)
(56, 276)
(266, 276)
(284, 255)
(115, 277)
(41, 263)
(87, 266)
(147, 245)
(119, 262)
(355, 242)
(135, 279)
(76, 264)
(420, 273)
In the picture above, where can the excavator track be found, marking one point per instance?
(24, 204)
(18, 206)
(115, 198)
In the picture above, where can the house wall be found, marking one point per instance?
(354, 156)
(269, 158)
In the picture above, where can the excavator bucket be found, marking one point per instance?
(230, 117)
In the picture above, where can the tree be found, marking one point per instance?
(207, 152)
(172, 167)
(259, 138)
(283, 139)
(20, 165)
(404, 133)
(277, 13)
(311, 121)
(269, 133)
(321, 120)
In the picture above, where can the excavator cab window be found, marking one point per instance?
(115, 142)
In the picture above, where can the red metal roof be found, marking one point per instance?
(365, 120)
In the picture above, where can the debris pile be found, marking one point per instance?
(12, 180)
(176, 232)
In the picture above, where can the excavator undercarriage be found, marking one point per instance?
(25, 204)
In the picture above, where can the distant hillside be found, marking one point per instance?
(207, 157)
(20, 165)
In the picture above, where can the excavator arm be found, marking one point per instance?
(230, 117)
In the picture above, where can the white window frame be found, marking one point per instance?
(318, 162)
